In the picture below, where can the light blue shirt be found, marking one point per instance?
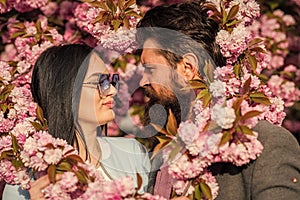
(120, 157)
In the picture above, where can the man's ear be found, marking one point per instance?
(189, 66)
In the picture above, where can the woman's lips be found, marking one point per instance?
(109, 104)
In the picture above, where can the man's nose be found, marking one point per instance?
(144, 80)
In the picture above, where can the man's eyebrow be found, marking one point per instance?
(145, 65)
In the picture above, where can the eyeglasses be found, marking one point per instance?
(104, 82)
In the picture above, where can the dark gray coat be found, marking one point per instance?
(275, 175)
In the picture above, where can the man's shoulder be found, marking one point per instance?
(271, 134)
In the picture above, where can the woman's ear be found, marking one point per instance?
(189, 66)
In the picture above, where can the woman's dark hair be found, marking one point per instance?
(52, 85)
(192, 31)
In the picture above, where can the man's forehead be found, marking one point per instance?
(151, 44)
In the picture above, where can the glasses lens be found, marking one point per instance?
(104, 83)
(115, 81)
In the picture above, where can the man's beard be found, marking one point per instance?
(179, 104)
(157, 111)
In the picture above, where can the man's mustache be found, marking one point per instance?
(150, 92)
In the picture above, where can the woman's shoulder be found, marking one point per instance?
(122, 144)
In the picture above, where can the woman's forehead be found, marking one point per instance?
(96, 66)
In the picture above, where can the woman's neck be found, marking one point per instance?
(91, 151)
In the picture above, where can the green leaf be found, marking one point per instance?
(64, 166)
(263, 77)
(81, 177)
(171, 124)
(6, 91)
(9, 154)
(237, 70)
(175, 151)
(128, 4)
(40, 114)
(250, 114)
(209, 71)
(99, 17)
(202, 93)
(121, 4)
(213, 8)
(139, 181)
(158, 147)
(225, 138)
(258, 49)
(260, 97)
(237, 106)
(252, 61)
(255, 41)
(37, 126)
(206, 99)
(224, 14)
(126, 22)
(160, 129)
(17, 163)
(75, 158)
(51, 173)
(246, 86)
(232, 23)
(197, 84)
(132, 13)
(38, 26)
(163, 138)
(14, 143)
(116, 24)
(245, 130)
(3, 2)
(100, 5)
(49, 38)
(3, 107)
(264, 101)
(206, 190)
(197, 192)
(233, 11)
(18, 25)
(258, 94)
(111, 5)
(87, 1)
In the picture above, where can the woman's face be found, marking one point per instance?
(96, 107)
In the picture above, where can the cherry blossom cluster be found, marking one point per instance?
(21, 6)
(121, 38)
(272, 29)
(23, 153)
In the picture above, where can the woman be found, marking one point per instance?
(74, 89)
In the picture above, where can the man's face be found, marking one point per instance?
(162, 84)
(157, 75)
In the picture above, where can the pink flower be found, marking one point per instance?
(180, 186)
(211, 181)
(9, 53)
(188, 132)
(69, 181)
(234, 43)
(185, 168)
(5, 72)
(52, 156)
(224, 116)
(202, 115)
(50, 8)
(217, 88)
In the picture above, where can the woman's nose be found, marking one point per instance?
(112, 90)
